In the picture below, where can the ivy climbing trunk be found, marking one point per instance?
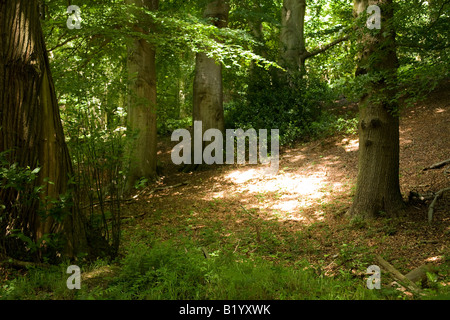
(32, 135)
(142, 102)
(377, 186)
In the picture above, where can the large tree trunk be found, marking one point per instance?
(292, 35)
(378, 177)
(208, 91)
(142, 104)
(31, 130)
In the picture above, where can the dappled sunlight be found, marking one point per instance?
(349, 145)
(294, 158)
(435, 259)
(404, 141)
(241, 176)
(290, 196)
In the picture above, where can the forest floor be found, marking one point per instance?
(300, 212)
(298, 215)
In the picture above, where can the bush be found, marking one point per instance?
(291, 109)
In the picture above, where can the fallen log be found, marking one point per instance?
(19, 264)
(420, 273)
(397, 274)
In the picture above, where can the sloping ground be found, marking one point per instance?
(299, 213)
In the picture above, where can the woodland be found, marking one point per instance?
(349, 101)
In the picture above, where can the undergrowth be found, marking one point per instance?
(171, 271)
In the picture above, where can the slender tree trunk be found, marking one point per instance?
(292, 35)
(142, 103)
(378, 186)
(259, 79)
(31, 130)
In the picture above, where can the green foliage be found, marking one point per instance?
(291, 109)
(171, 271)
(89, 67)
(16, 177)
(22, 182)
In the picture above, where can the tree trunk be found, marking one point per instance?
(31, 130)
(378, 186)
(292, 35)
(142, 104)
(208, 89)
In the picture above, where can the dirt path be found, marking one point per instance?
(301, 210)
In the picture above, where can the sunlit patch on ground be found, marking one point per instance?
(350, 145)
(287, 196)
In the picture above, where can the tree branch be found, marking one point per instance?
(438, 165)
(62, 43)
(324, 48)
(390, 268)
(8, 261)
(431, 208)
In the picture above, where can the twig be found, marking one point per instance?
(431, 208)
(437, 165)
(137, 195)
(235, 249)
(205, 253)
(131, 217)
(248, 212)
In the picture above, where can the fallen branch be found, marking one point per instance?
(11, 262)
(419, 197)
(136, 196)
(205, 253)
(438, 165)
(420, 273)
(431, 208)
(400, 277)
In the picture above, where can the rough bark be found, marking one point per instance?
(208, 89)
(142, 104)
(378, 186)
(292, 35)
(31, 130)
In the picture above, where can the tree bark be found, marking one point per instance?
(31, 130)
(292, 35)
(208, 89)
(378, 187)
(142, 104)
